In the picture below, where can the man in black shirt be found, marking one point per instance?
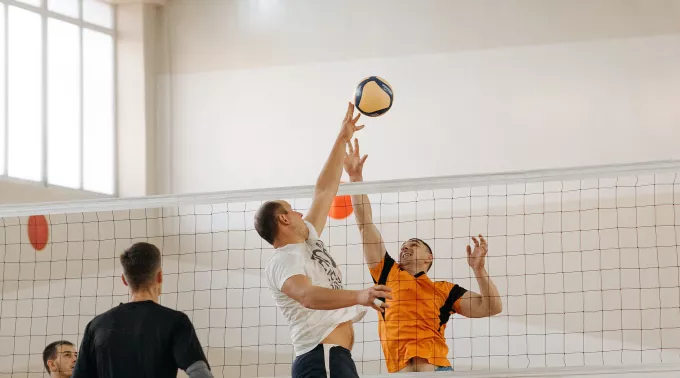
(141, 338)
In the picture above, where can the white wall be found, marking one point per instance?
(20, 192)
(250, 98)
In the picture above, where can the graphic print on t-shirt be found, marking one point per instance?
(321, 256)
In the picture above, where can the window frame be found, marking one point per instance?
(45, 14)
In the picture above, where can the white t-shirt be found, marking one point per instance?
(308, 327)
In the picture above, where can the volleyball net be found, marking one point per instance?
(586, 262)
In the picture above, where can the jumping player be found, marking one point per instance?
(305, 281)
(412, 329)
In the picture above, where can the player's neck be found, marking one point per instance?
(150, 294)
(412, 269)
(287, 238)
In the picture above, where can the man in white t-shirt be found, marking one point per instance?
(305, 281)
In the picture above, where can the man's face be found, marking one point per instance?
(295, 220)
(65, 360)
(414, 252)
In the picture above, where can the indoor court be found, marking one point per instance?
(549, 127)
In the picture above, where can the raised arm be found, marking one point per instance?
(327, 184)
(372, 242)
(488, 301)
(313, 297)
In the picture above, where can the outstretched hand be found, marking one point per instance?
(354, 163)
(476, 258)
(349, 124)
(374, 296)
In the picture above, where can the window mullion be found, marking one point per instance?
(6, 89)
(82, 95)
(44, 96)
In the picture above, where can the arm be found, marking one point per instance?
(199, 369)
(327, 184)
(86, 365)
(187, 351)
(313, 297)
(488, 302)
(372, 242)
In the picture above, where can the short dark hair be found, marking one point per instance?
(50, 352)
(428, 248)
(140, 263)
(265, 220)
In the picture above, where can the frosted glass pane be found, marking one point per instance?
(63, 104)
(98, 127)
(98, 13)
(65, 7)
(3, 82)
(25, 88)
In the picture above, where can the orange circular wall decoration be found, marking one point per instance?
(38, 231)
(341, 207)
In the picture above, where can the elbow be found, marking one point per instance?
(496, 308)
(307, 300)
(489, 308)
(307, 304)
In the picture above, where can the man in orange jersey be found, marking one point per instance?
(412, 329)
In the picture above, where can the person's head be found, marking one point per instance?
(276, 220)
(59, 358)
(416, 255)
(142, 268)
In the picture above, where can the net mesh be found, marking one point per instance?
(588, 272)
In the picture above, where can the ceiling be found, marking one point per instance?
(233, 34)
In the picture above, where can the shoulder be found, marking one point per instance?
(286, 262)
(104, 317)
(449, 290)
(290, 254)
(170, 316)
(384, 271)
(170, 312)
(444, 287)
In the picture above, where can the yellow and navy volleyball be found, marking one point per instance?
(373, 96)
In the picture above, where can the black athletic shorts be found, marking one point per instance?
(313, 364)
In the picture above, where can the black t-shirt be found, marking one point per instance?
(138, 339)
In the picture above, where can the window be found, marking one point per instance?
(57, 93)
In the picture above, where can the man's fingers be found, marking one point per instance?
(474, 239)
(382, 288)
(377, 308)
(468, 250)
(356, 146)
(363, 159)
(357, 128)
(350, 110)
(350, 149)
(382, 294)
(355, 119)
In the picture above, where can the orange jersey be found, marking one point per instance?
(414, 325)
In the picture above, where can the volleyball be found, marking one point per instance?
(373, 96)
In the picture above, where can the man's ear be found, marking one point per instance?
(51, 364)
(283, 219)
(122, 276)
(159, 277)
